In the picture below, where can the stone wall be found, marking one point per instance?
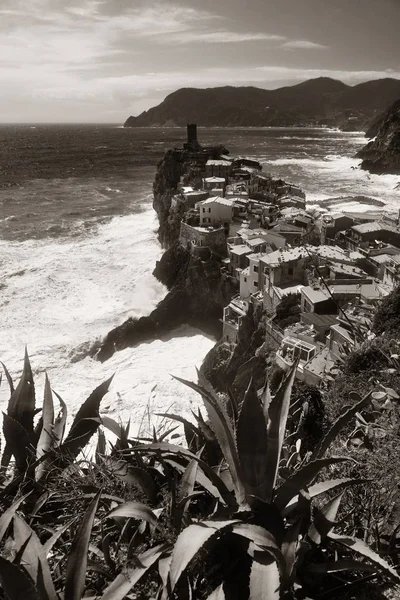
(215, 239)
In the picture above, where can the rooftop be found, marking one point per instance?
(284, 256)
(217, 200)
(214, 179)
(240, 249)
(315, 295)
(218, 163)
(374, 226)
(322, 321)
(255, 241)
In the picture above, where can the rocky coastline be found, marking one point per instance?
(382, 155)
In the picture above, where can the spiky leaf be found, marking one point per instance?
(338, 425)
(124, 582)
(252, 444)
(301, 478)
(86, 421)
(33, 555)
(18, 441)
(264, 578)
(360, 547)
(21, 406)
(8, 514)
(46, 439)
(324, 519)
(224, 432)
(60, 422)
(278, 411)
(77, 558)
(134, 510)
(188, 544)
(16, 582)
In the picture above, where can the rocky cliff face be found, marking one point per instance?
(164, 187)
(197, 296)
(382, 155)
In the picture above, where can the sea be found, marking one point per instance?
(78, 244)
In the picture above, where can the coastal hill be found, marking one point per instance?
(382, 155)
(321, 101)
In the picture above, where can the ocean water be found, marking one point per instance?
(78, 246)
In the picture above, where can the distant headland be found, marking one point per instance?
(321, 102)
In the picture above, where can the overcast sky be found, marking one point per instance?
(102, 60)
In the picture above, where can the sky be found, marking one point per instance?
(103, 60)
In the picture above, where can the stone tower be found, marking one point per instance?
(192, 142)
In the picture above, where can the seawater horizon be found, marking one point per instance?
(78, 245)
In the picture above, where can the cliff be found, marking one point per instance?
(382, 155)
(197, 296)
(321, 101)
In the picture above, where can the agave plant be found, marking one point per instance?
(39, 450)
(264, 534)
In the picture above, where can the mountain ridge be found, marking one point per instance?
(320, 101)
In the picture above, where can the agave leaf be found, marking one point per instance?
(339, 565)
(188, 544)
(217, 594)
(252, 444)
(324, 519)
(18, 441)
(16, 583)
(338, 425)
(33, 555)
(224, 432)
(180, 419)
(135, 476)
(361, 547)
(77, 559)
(7, 515)
(301, 478)
(327, 486)
(46, 439)
(264, 578)
(278, 411)
(101, 446)
(86, 421)
(60, 422)
(124, 582)
(289, 550)
(188, 480)
(258, 535)
(113, 426)
(220, 492)
(166, 448)
(134, 510)
(21, 406)
(8, 377)
(56, 536)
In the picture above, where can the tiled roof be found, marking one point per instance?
(217, 200)
(373, 226)
(218, 163)
(240, 249)
(318, 295)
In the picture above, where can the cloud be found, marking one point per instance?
(303, 45)
(222, 37)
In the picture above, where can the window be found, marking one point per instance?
(255, 283)
(245, 279)
(290, 271)
(209, 210)
(204, 210)
(255, 268)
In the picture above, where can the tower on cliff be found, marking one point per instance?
(192, 142)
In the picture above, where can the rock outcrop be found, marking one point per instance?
(197, 296)
(382, 155)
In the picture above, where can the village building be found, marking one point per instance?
(331, 224)
(370, 234)
(213, 183)
(218, 168)
(216, 211)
